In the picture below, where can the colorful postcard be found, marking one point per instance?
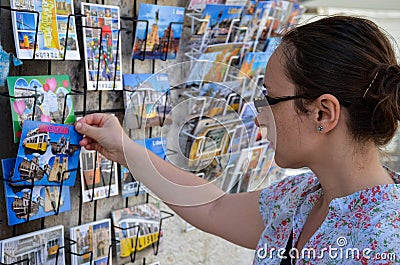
(271, 44)
(259, 21)
(157, 145)
(98, 176)
(6, 60)
(51, 38)
(254, 157)
(205, 70)
(147, 104)
(254, 64)
(39, 247)
(220, 18)
(212, 140)
(199, 5)
(102, 41)
(31, 202)
(129, 185)
(260, 177)
(46, 152)
(93, 240)
(52, 102)
(159, 38)
(136, 228)
(247, 115)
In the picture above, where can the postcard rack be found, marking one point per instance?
(200, 42)
(135, 239)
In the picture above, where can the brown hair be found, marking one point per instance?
(352, 59)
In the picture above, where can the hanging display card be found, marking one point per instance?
(99, 176)
(135, 228)
(159, 38)
(45, 152)
(52, 29)
(100, 39)
(51, 94)
(43, 201)
(39, 247)
(92, 239)
(145, 99)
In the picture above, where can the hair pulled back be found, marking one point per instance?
(352, 59)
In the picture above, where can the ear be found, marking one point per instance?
(326, 112)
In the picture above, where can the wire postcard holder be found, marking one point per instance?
(73, 242)
(130, 245)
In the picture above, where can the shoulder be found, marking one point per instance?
(291, 185)
(381, 236)
(283, 195)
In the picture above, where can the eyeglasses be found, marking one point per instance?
(269, 101)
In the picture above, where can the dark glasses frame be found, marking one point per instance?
(269, 101)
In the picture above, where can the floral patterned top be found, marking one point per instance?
(361, 228)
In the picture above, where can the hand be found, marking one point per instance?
(103, 133)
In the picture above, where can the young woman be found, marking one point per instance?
(333, 88)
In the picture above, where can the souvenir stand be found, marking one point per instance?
(217, 138)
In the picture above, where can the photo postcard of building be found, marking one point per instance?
(39, 247)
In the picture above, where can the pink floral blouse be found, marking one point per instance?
(361, 228)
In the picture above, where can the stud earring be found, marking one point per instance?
(319, 128)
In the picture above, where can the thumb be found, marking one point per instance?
(86, 129)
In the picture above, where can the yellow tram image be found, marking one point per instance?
(36, 141)
(148, 234)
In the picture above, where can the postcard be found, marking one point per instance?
(6, 60)
(98, 176)
(136, 228)
(51, 25)
(157, 145)
(254, 158)
(247, 115)
(46, 151)
(51, 105)
(146, 99)
(92, 239)
(199, 5)
(271, 44)
(261, 177)
(254, 64)
(259, 21)
(129, 185)
(39, 247)
(159, 38)
(211, 141)
(102, 41)
(31, 203)
(213, 64)
(219, 19)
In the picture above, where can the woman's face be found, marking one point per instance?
(290, 128)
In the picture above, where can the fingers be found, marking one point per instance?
(87, 129)
(85, 141)
(95, 119)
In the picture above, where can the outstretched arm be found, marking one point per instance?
(234, 217)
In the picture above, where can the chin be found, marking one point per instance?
(284, 163)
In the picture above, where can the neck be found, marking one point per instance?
(350, 171)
